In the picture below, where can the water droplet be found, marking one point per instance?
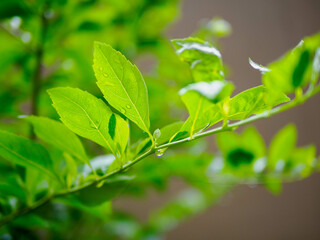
(26, 37)
(122, 110)
(160, 152)
(128, 106)
(15, 22)
(105, 75)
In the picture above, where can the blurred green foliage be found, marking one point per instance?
(59, 186)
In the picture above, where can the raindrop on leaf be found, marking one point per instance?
(160, 152)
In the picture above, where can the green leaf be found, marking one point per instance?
(301, 161)
(273, 184)
(102, 211)
(36, 185)
(282, 145)
(215, 91)
(96, 195)
(168, 132)
(253, 101)
(119, 131)
(12, 187)
(241, 149)
(202, 113)
(58, 135)
(71, 169)
(30, 221)
(87, 116)
(141, 146)
(26, 153)
(294, 70)
(204, 60)
(121, 84)
(11, 8)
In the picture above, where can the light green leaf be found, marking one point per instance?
(294, 70)
(204, 60)
(215, 91)
(202, 113)
(86, 115)
(253, 101)
(26, 153)
(141, 146)
(168, 132)
(71, 169)
(119, 131)
(301, 161)
(282, 145)
(121, 84)
(58, 135)
(273, 184)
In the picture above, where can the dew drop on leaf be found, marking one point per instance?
(128, 106)
(160, 152)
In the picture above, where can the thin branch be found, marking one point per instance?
(37, 78)
(311, 92)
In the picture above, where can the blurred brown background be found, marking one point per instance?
(262, 30)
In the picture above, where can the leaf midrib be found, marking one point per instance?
(195, 117)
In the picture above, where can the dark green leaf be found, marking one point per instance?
(24, 152)
(242, 150)
(112, 186)
(102, 211)
(112, 126)
(59, 136)
(11, 8)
